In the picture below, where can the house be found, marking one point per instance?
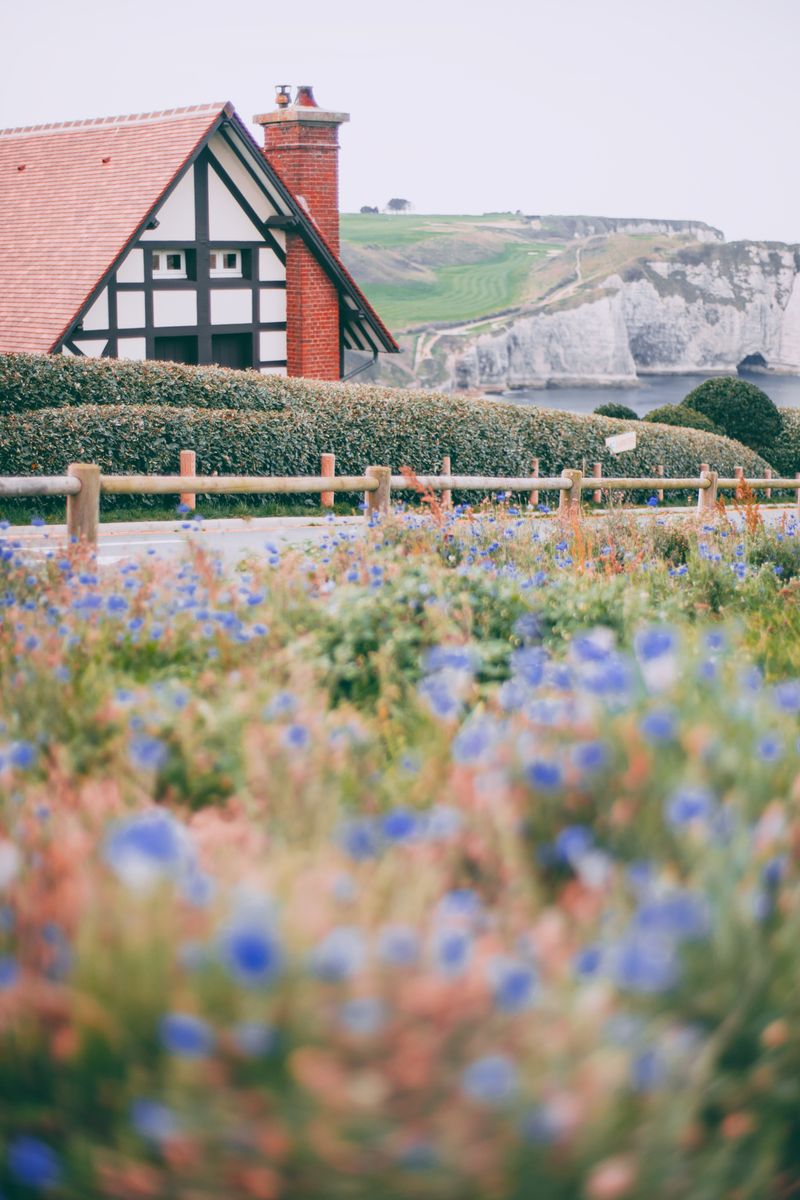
(173, 235)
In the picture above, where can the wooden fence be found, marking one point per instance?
(84, 484)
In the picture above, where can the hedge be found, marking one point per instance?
(680, 414)
(481, 437)
(785, 455)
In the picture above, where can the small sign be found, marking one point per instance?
(622, 441)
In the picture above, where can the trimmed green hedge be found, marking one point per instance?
(679, 414)
(785, 455)
(616, 410)
(245, 423)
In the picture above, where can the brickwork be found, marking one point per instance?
(312, 315)
(305, 153)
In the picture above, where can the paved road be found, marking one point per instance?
(231, 539)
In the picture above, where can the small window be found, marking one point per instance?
(225, 262)
(169, 264)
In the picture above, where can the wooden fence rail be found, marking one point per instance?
(84, 483)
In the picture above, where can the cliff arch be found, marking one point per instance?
(752, 362)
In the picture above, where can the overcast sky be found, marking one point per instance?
(658, 108)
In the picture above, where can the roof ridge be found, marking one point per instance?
(166, 114)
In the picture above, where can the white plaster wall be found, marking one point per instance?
(273, 371)
(92, 347)
(130, 310)
(272, 305)
(231, 306)
(97, 316)
(226, 220)
(132, 348)
(176, 214)
(174, 308)
(131, 269)
(270, 266)
(272, 345)
(242, 178)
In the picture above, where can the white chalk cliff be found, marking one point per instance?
(707, 307)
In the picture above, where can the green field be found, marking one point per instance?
(423, 270)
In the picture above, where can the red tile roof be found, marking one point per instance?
(71, 197)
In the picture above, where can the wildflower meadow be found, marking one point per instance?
(459, 860)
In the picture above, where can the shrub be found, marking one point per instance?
(679, 414)
(740, 410)
(620, 411)
(785, 455)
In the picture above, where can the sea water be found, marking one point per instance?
(651, 392)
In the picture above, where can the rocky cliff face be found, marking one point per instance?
(705, 308)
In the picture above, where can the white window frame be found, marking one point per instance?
(161, 272)
(234, 272)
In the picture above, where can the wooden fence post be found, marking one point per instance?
(768, 475)
(569, 499)
(738, 473)
(379, 500)
(533, 499)
(660, 473)
(707, 496)
(597, 473)
(188, 467)
(83, 509)
(328, 470)
(447, 495)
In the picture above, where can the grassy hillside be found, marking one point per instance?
(440, 270)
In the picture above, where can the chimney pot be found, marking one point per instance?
(282, 96)
(305, 97)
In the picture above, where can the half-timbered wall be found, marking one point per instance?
(221, 201)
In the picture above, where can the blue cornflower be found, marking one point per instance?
(359, 838)
(363, 1015)
(117, 604)
(660, 725)
(769, 748)
(513, 984)
(653, 501)
(146, 847)
(9, 971)
(33, 1163)
(154, 1121)
(295, 737)
(572, 843)
(787, 696)
(147, 753)
(590, 756)
(399, 825)
(22, 755)
(678, 914)
(689, 804)
(186, 1036)
(341, 954)
(491, 1080)
(545, 774)
(398, 945)
(588, 961)
(645, 963)
(648, 1071)
(252, 954)
(654, 642)
(452, 950)
(473, 740)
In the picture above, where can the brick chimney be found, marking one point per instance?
(301, 141)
